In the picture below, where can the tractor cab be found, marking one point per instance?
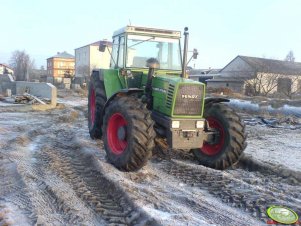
(133, 46)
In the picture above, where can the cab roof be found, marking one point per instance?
(148, 31)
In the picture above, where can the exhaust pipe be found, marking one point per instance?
(152, 64)
(186, 35)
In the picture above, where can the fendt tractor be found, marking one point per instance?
(145, 100)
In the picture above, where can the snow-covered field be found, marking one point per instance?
(52, 173)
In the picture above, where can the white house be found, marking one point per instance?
(253, 75)
(89, 57)
(4, 69)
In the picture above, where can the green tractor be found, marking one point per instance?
(145, 100)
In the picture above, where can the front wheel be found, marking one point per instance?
(229, 141)
(128, 133)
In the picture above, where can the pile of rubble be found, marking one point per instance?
(286, 122)
(27, 98)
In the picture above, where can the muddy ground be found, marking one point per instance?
(52, 173)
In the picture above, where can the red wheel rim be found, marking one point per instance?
(117, 142)
(213, 149)
(92, 106)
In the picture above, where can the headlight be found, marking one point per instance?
(200, 124)
(175, 124)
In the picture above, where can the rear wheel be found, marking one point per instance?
(96, 101)
(128, 133)
(230, 141)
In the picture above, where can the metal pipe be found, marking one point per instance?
(152, 64)
(186, 35)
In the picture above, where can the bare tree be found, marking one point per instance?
(262, 84)
(22, 64)
(84, 71)
(290, 56)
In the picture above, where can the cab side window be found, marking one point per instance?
(121, 53)
(117, 60)
(115, 47)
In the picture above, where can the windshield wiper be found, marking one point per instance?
(141, 42)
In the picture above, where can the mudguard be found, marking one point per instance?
(122, 92)
(212, 100)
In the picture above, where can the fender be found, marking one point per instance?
(212, 100)
(122, 92)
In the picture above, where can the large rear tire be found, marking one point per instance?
(230, 142)
(128, 133)
(96, 101)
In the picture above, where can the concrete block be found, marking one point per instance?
(8, 93)
(7, 82)
(67, 85)
(43, 90)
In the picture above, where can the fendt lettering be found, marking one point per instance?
(187, 96)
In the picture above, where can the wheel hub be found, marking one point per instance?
(121, 133)
(116, 133)
(217, 143)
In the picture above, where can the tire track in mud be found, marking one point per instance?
(42, 205)
(14, 191)
(46, 157)
(233, 189)
(106, 201)
(288, 176)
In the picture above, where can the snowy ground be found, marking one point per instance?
(52, 173)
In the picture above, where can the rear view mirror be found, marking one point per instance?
(102, 46)
(195, 54)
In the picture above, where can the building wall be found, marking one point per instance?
(237, 87)
(82, 60)
(269, 82)
(2, 70)
(99, 59)
(57, 67)
(88, 58)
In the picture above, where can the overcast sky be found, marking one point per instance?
(220, 30)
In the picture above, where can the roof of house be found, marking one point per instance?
(97, 43)
(64, 55)
(271, 66)
(4, 65)
(198, 72)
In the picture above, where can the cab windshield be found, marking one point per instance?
(165, 50)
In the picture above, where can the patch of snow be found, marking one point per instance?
(249, 106)
(275, 145)
(73, 102)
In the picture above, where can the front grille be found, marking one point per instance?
(189, 100)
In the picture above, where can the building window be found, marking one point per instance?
(284, 85)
